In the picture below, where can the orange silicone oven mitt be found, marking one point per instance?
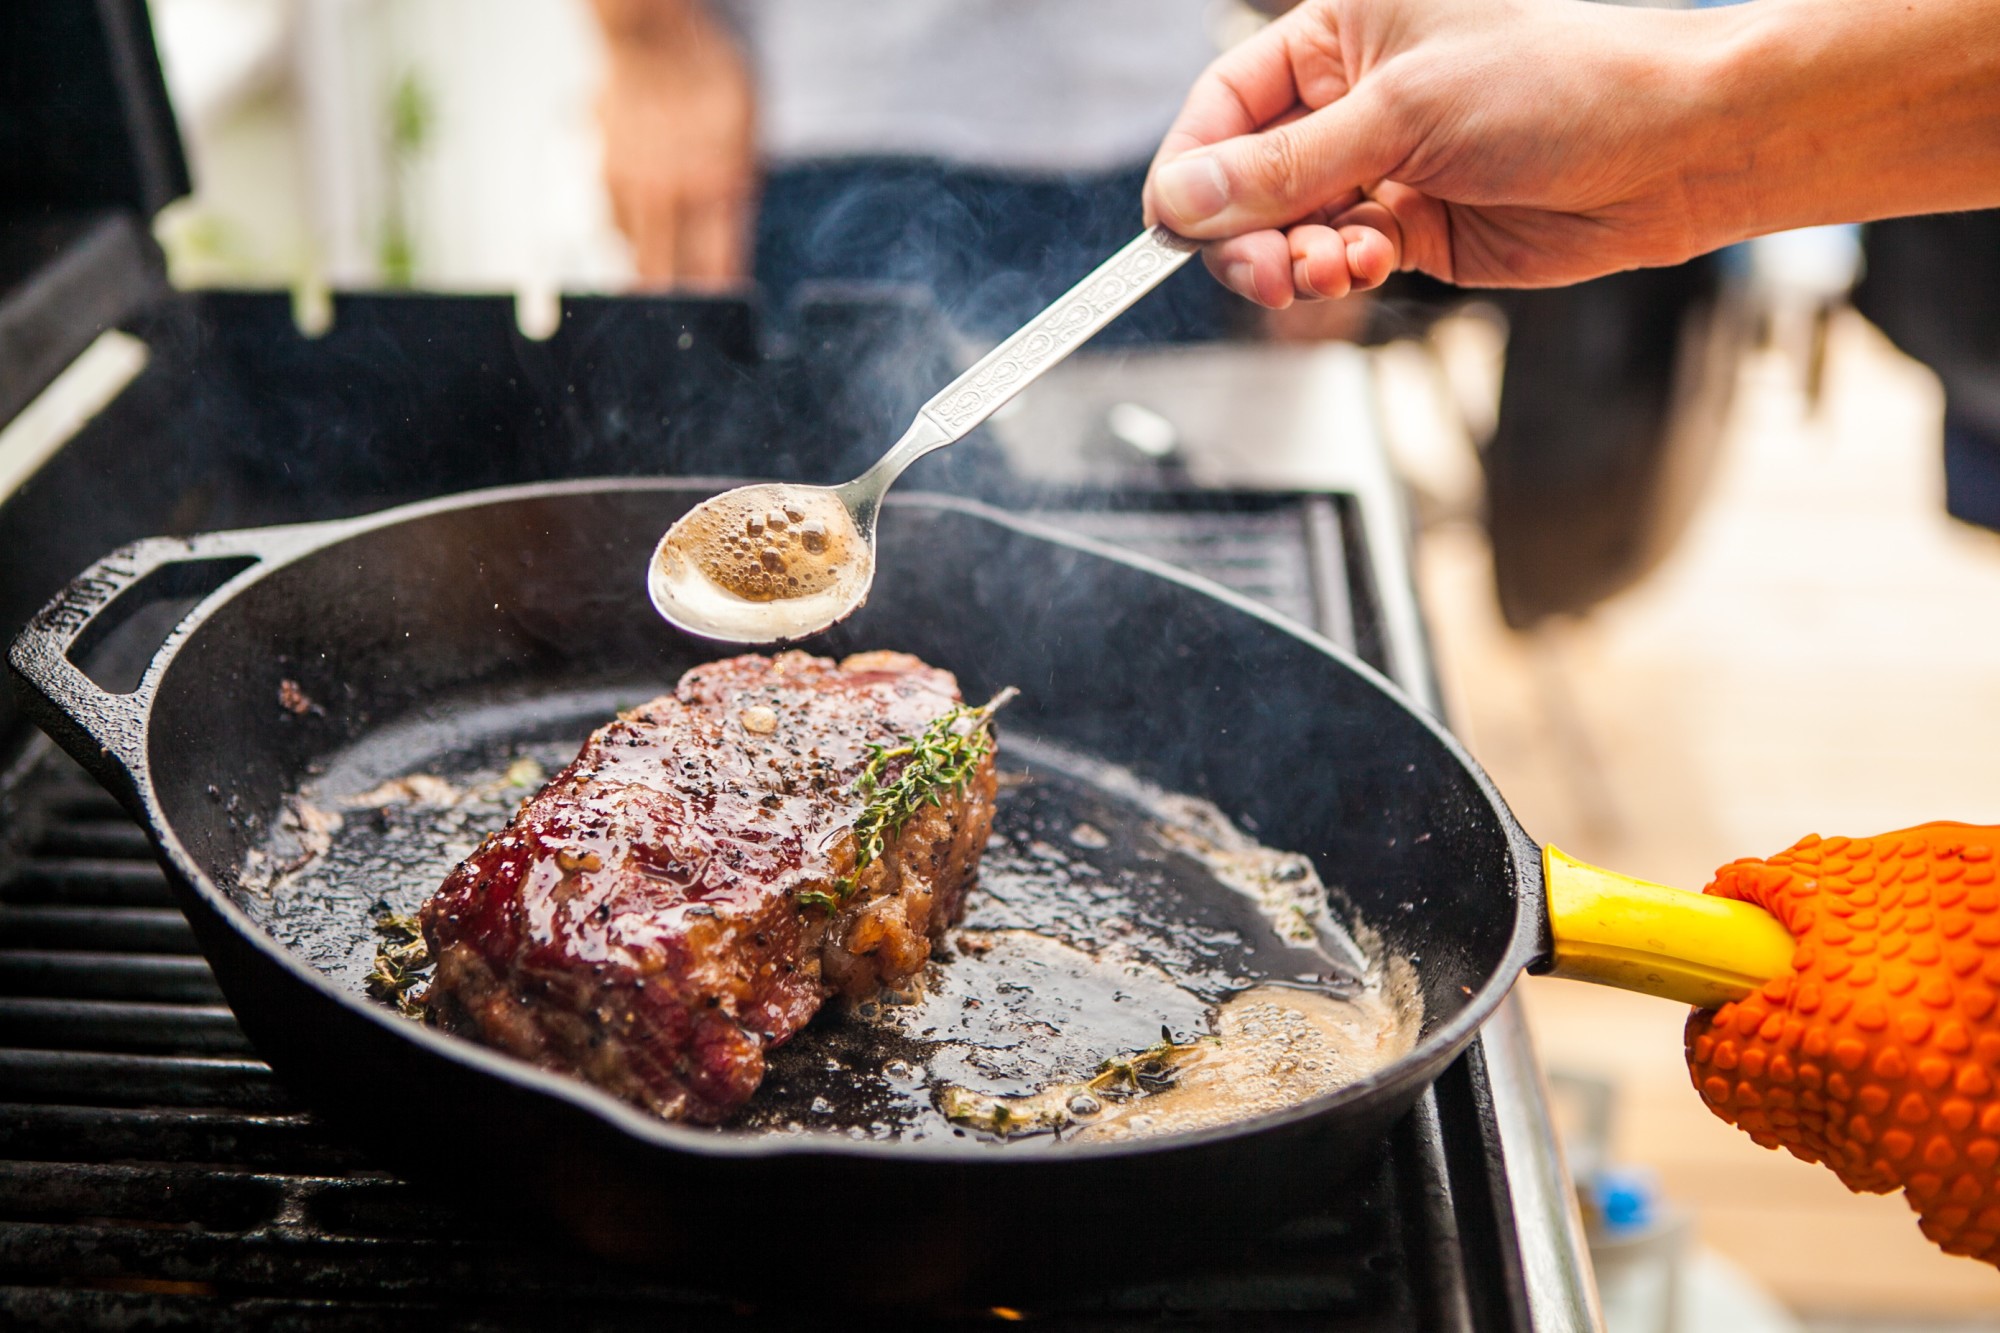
(1877, 1052)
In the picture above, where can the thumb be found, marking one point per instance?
(1278, 176)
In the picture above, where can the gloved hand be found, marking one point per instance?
(1879, 1055)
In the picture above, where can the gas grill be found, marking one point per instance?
(153, 1172)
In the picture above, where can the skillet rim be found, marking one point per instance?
(290, 543)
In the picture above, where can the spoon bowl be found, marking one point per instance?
(765, 563)
(774, 561)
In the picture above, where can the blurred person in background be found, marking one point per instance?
(990, 151)
(1933, 285)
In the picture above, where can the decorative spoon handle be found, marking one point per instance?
(1079, 313)
(1071, 321)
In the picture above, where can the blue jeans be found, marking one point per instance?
(990, 248)
(1971, 471)
(1933, 285)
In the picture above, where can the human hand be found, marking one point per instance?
(1506, 143)
(1879, 1055)
(678, 115)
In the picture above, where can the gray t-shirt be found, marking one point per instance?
(1012, 85)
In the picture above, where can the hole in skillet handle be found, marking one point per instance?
(115, 648)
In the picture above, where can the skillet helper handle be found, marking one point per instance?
(105, 730)
(1691, 947)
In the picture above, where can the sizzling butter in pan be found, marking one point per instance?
(1130, 964)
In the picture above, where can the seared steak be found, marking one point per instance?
(684, 896)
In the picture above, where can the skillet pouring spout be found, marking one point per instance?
(292, 648)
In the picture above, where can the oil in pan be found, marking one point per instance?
(1129, 962)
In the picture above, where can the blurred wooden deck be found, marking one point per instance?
(1820, 654)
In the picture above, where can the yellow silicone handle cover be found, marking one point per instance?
(1619, 931)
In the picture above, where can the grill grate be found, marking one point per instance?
(154, 1173)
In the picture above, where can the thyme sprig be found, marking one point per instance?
(942, 760)
(402, 964)
(1121, 1078)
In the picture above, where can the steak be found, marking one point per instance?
(684, 896)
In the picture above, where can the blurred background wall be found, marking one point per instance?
(436, 143)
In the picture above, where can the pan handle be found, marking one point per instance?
(1691, 947)
(105, 729)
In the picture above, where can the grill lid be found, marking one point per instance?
(84, 120)
(88, 154)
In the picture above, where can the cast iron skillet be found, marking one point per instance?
(410, 618)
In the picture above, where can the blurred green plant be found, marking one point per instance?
(411, 117)
(204, 248)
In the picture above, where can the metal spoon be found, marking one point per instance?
(778, 561)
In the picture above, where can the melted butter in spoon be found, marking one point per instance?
(763, 563)
(764, 543)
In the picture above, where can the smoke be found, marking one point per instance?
(985, 250)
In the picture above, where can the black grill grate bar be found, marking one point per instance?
(134, 929)
(88, 882)
(175, 1193)
(292, 1261)
(292, 1144)
(70, 1191)
(93, 838)
(41, 1307)
(65, 791)
(107, 976)
(166, 1307)
(114, 1025)
(379, 1207)
(1254, 554)
(106, 1079)
(187, 1306)
(81, 800)
(373, 1207)
(302, 1261)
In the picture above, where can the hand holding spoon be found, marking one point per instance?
(778, 561)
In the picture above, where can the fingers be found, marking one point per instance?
(1371, 256)
(1257, 266)
(679, 160)
(1241, 92)
(1371, 238)
(697, 237)
(655, 236)
(1246, 89)
(1278, 176)
(1355, 251)
(1319, 263)
(710, 241)
(1422, 228)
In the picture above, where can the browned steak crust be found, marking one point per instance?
(639, 922)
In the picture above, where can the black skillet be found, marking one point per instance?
(512, 602)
